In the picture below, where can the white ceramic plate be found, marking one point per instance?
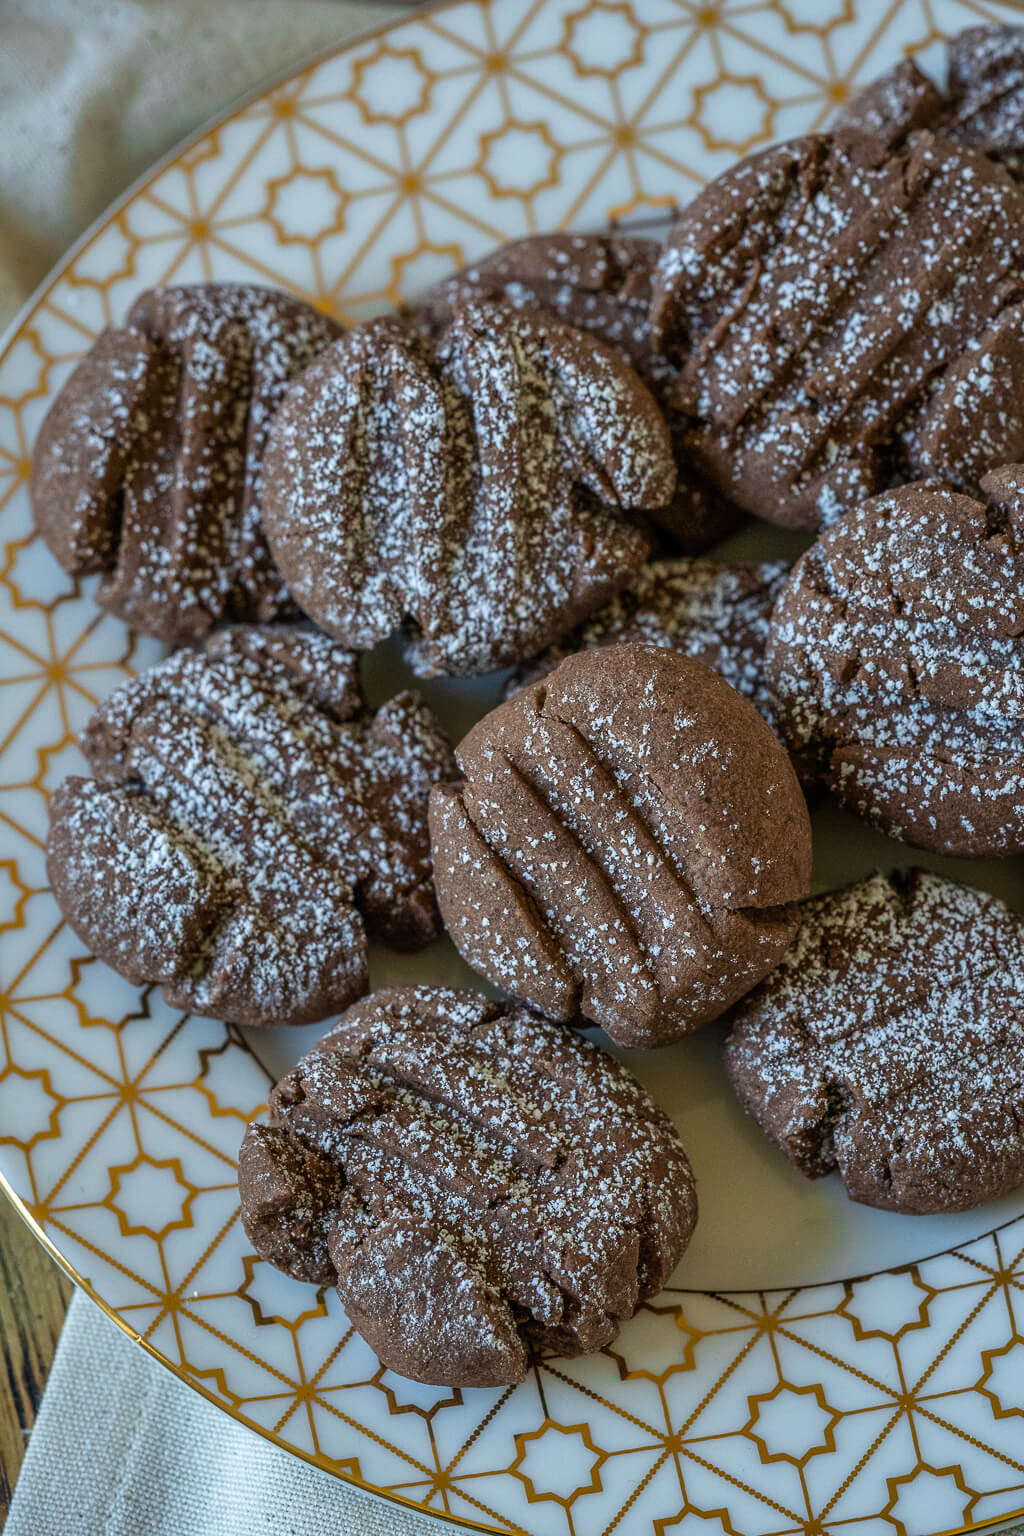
(764, 1392)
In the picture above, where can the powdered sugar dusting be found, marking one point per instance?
(148, 467)
(467, 491)
(599, 283)
(596, 282)
(716, 614)
(819, 298)
(981, 108)
(889, 1043)
(893, 105)
(246, 819)
(478, 1181)
(896, 657)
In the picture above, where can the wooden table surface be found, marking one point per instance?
(34, 1294)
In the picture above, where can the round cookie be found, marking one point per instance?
(148, 466)
(982, 107)
(897, 662)
(473, 490)
(599, 283)
(717, 614)
(834, 307)
(627, 843)
(889, 1044)
(479, 1183)
(248, 823)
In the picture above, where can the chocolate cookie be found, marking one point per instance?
(897, 661)
(627, 843)
(248, 823)
(601, 284)
(982, 107)
(471, 490)
(717, 614)
(479, 1183)
(889, 1043)
(835, 308)
(147, 468)
(894, 105)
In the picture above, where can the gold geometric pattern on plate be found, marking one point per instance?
(889, 1404)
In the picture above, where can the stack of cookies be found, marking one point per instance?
(524, 471)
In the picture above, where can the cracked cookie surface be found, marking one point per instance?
(249, 822)
(478, 1182)
(889, 1044)
(627, 843)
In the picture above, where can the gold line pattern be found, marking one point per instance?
(892, 1403)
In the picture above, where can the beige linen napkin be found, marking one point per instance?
(122, 1448)
(93, 91)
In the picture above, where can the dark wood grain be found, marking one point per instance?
(34, 1295)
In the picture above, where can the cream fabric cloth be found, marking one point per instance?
(91, 93)
(122, 1448)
